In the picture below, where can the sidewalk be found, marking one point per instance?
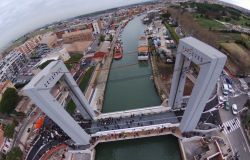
(102, 78)
(137, 132)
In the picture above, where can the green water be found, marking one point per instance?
(129, 85)
(153, 148)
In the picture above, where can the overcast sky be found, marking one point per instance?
(242, 3)
(18, 17)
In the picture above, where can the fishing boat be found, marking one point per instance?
(142, 49)
(118, 51)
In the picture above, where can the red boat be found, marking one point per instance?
(118, 52)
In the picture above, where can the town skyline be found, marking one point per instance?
(15, 20)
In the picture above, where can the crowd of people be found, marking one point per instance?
(135, 134)
(119, 123)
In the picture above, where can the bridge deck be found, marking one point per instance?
(131, 121)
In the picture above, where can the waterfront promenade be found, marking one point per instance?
(96, 93)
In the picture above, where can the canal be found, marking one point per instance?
(153, 148)
(129, 85)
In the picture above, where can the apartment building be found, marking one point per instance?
(96, 26)
(28, 47)
(11, 65)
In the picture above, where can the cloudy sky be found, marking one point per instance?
(18, 17)
(242, 3)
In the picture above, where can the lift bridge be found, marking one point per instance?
(210, 61)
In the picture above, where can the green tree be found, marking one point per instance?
(14, 154)
(102, 38)
(166, 15)
(9, 130)
(71, 107)
(247, 104)
(9, 101)
(227, 19)
(110, 37)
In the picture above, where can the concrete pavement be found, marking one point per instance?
(235, 134)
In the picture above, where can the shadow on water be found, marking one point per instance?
(152, 148)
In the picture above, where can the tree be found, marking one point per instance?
(227, 19)
(110, 37)
(102, 38)
(9, 130)
(9, 101)
(14, 154)
(166, 15)
(247, 104)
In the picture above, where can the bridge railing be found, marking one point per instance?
(127, 113)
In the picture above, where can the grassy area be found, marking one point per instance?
(85, 80)
(225, 37)
(75, 58)
(71, 107)
(83, 85)
(237, 53)
(172, 32)
(209, 23)
(241, 21)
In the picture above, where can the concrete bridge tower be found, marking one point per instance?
(39, 91)
(211, 63)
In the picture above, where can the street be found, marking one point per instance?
(236, 136)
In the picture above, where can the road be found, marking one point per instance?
(236, 135)
(32, 117)
(130, 122)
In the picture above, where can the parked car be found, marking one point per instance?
(226, 106)
(234, 109)
(230, 88)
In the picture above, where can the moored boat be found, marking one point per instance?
(142, 49)
(118, 51)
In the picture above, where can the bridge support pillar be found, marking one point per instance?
(211, 63)
(39, 91)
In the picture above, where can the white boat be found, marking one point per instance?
(142, 49)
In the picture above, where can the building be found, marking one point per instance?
(1, 136)
(59, 34)
(25, 105)
(58, 54)
(96, 26)
(50, 39)
(41, 49)
(81, 35)
(11, 65)
(49, 77)
(61, 53)
(29, 46)
(4, 85)
(5, 143)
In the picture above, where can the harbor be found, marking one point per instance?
(129, 85)
(130, 88)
